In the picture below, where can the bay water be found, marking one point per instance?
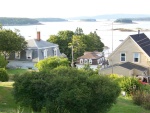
(111, 39)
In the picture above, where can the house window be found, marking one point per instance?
(45, 53)
(28, 54)
(136, 57)
(17, 55)
(90, 61)
(123, 57)
(55, 52)
(85, 61)
(81, 61)
(98, 61)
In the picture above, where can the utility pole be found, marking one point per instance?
(72, 63)
(112, 49)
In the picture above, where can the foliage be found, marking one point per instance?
(138, 97)
(10, 42)
(8, 105)
(66, 90)
(3, 75)
(51, 63)
(3, 62)
(80, 42)
(129, 84)
(146, 101)
(63, 38)
(29, 89)
(142, 97)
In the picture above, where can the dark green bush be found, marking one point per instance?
(29, 90)
(146, 101)
(3, 62)
(3, 75)
(66, 90)
(138, 97)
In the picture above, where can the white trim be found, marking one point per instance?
(90, 61)
(81, 61)
(55, 51)
(45, 53)
(29, 54)
(17, 55)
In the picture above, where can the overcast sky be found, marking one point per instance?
(71, 8)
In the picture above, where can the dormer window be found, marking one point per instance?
(81, 61)
(55, 52)
(85, 61)
(45, 53)
(17, 55)
(90, 61)
(28, 54)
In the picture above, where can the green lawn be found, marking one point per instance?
(16, 71)
(13, 72)
(7, 104)
(125, 105)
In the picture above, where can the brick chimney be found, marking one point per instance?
(38, 36)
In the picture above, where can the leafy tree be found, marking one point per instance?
(63, 38)
(78, 31)
(51, 63)
(10, 42)
(78, 40)
(3, 62)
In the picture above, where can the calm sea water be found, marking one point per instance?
(103, 30)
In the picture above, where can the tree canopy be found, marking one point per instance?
(79, 42)
(10, 42)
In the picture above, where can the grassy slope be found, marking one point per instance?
(125, 105)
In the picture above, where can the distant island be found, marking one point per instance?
(123, 20)
(88, 20)
(51, 19)
(5, 21)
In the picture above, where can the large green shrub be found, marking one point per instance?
(29, 90)
(66, 90)
(3, 62)
(51, 63)
(3, 75)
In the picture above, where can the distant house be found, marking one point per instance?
(132, 57)
(94, 59)
(36, 50)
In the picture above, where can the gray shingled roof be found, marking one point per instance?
(34, 43)
(143, 41)
(130, 66)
